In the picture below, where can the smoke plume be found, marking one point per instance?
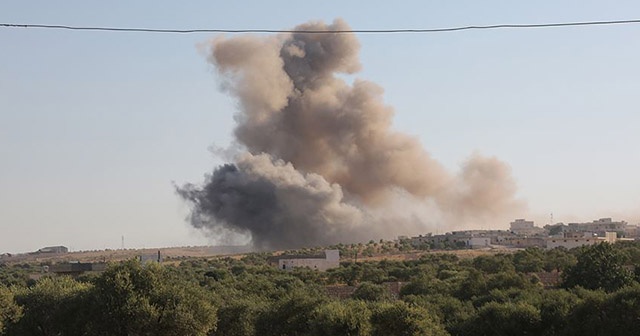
(321, 154)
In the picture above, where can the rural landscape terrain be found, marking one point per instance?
(368, 170)
(376, 288)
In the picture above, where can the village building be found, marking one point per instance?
(457, 239)
(322, 262)
(599, 227)
(524, 242)
(53, 250)
(574, 239)
(521, 227)
(570, 242)
(150, 258)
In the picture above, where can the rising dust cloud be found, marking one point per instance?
(321, 163)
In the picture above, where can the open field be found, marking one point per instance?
(118, 255)
(178, 253)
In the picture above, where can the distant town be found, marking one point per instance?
(523, 233)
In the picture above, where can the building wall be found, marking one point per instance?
(599, 226)
(53, 249)
(632, 231)
(479, 242)
(331, 260)
(521, 224)
(525, 242)
(150, 258)
(610, 237)
(522, 227)
(570, 243)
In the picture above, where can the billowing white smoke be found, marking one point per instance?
(322, 157)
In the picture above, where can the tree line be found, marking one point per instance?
(442, 295)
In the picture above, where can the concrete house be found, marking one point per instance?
(322, 262)
(53, 249)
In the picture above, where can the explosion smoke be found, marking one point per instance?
(321, 152)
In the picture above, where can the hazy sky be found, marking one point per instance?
(95, 126)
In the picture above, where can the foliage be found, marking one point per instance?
(558, 259)
(289, 315)
(238, 317)
(441, 294)
(401, 319)
(349, 318)
(504, 319)
(10, 312)
(599, 266)
(368, 291)
(130, 299)
(15, 275)
(529, 260)
(50, 307)
(555, 309)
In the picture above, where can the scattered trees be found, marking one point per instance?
(10, 311)
(441, 295)
(599, 266)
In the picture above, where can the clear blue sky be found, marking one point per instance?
(95, 126)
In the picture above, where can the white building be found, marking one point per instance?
(572, 241)
(569, 243)
(329, 259)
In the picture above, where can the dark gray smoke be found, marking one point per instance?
(300, 122)
(278, 205)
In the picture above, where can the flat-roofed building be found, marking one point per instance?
(322, 262)
(523, 227)
(54, 249)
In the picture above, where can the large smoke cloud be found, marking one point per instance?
(321, 154)
(273, 202)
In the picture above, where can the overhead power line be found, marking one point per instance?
(354, 31)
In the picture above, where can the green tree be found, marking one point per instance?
(558, 259)
(10, 312)
(504, 319)
(238, 316)
(529, 260)
(368, 291)
(426, 285)
(16, 275)
(449, 310)
(621, 312)
(555, 308)
(398, 318)
(290, 315)
(473, 284)
(506, 280)
(129, 299)
(599, 266)
(493, 264)
(349, 318)
(588, 317)
(53, 306)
